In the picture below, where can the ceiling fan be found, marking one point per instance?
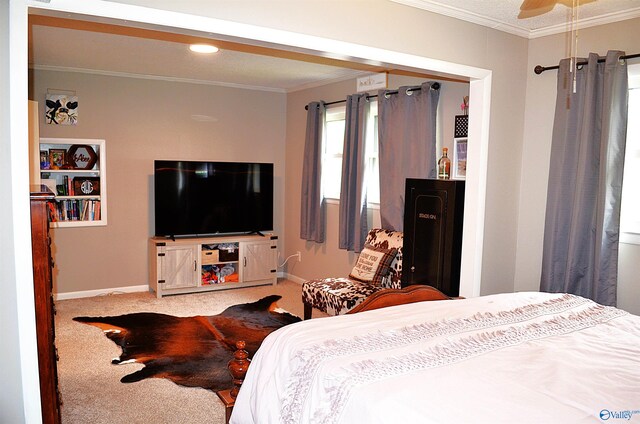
(531, 8)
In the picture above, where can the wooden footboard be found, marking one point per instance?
(382, 299)
(393, 297)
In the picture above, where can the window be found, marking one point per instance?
(332, 153)
(630, 214)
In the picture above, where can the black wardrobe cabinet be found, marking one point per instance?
(432, 243)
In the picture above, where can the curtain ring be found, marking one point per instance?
(409, 91)
(386, 95)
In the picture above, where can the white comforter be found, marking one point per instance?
(523, 357)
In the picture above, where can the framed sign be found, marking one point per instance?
(81, 156)
(86, 186)
(460, 158)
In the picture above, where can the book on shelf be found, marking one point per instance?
(75, 210)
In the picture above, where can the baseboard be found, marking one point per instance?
(101, 292)
(294, 278)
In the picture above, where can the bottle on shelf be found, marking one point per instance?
(444, 166)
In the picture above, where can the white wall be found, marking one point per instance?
(539, 112)
(20, 401)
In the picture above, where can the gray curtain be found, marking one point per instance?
(585, 180)
(353, 195)
(312, 208)
(406, 146)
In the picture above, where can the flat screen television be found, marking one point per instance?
(204, 198)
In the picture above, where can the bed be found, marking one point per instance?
(520, 357)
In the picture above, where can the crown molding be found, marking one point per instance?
(465, 15)
(609, 18)
(154, 77)
(521, 31)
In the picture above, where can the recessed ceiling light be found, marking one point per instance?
(203, 48)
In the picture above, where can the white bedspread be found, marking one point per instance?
(523, 357)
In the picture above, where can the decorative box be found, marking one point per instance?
(461, 126)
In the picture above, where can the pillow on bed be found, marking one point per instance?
(373, 264)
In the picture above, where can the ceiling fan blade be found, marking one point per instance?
(531, 8)
(530, 13)
(538, 4)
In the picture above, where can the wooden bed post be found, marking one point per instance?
(238, 367)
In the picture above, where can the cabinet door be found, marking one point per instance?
(260, 260)
(180, 267)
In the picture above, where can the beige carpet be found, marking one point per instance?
(90, 385)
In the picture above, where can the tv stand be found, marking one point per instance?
(195, 264)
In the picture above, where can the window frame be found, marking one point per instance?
(626, 236)
(337, 113)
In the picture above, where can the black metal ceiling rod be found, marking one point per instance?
(434, 86)
(540, 69)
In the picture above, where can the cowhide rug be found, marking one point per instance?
(190, 351)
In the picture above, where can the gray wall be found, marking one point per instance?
(326, 260)
(142, 120)
(539, 111)
(405, 29)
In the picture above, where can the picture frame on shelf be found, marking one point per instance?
(45, 161)
(460, 158)
(57, 158)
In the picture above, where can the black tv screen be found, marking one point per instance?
(204, 198)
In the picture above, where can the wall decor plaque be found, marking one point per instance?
(81, 156)
(86, 186)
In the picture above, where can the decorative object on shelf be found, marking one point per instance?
(81, 156)
(85, 186)
(45, 161)
(444, 165)
(61, 109)
(462, 121)
(461, 126)
(57, 158)
(372, 82)
(459, 158)
(465, 105)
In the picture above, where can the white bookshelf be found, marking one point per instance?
(76, 209)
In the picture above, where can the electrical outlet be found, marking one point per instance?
(299, 256)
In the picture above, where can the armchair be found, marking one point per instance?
(379, 266)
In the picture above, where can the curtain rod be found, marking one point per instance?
(434, 86)
(540, 69)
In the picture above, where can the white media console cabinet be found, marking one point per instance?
(187, 265)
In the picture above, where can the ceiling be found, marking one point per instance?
(58, 43)
(503, 14)
(63, 44)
